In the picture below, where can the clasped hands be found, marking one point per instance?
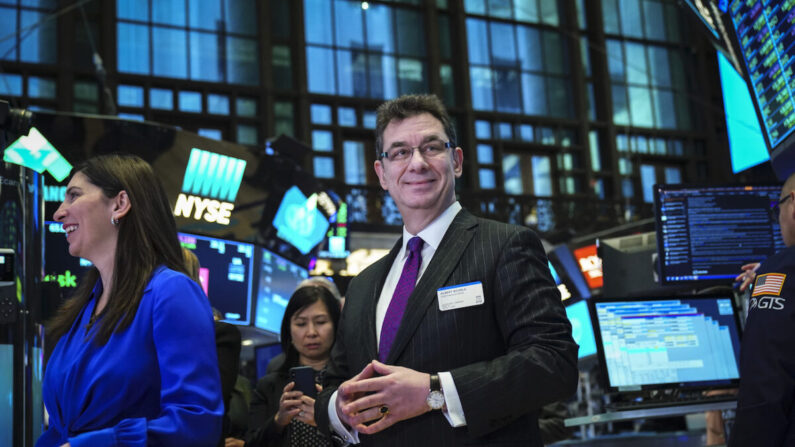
(380, 396)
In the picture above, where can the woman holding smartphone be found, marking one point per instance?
(280, 414)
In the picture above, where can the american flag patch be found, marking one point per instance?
(769, 284)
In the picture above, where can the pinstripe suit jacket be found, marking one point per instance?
(508, 356)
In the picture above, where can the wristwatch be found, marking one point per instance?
(435, 399)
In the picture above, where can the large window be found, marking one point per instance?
(204, 40)
(515, 65)
(29, 29)
(365, 50)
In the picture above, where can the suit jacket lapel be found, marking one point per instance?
(444, 261)
(374, 292)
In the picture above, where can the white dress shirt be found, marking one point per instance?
(432, 236)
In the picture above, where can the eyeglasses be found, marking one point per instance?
(775, 209)
(431, 149)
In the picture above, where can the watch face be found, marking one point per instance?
(435, 400)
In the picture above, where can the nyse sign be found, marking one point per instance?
(199, 208)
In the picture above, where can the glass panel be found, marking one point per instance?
(322, 140)
(559, 103)
(161, 99)
(505, 131)
(526, 132)
(445, 45)
(549, 12)
(246, 107)
(482, 129)
(542, 176)
(346, 116)
(214, 134)
(280, 19)
(205, 64)
(324, 167)
(477, 40)
(637, 73)
(130, 95)
(37, 44)
(345, 73)
(348, 26)
(8, 23)
(534, 94)
(554, 53)
(41, 87)
(615, 60)
(320, 70)
(624, 166)
(480, 79)
(487, 179)
(317, 22)
(218, 104)
(585, 56)
(654, 20)
(166, 12)
(620, 111)
(378, 19)
(545, 135)
(382, 77)
(660, 71)
(169, 56)
(640, 107)
(526, 10)
(320, 114)
(503, 48)
(475, 6)
(411, 31)
(242, 56)
(190, 102)
(86, 91)
(630, 18)
(622, 143)
(485, 154)
(512, 174)
(664, 110)
(596, 155)
(241, 16)
(369, 119)
(247, 134)
(133, 9)
(506, 89)
(647, 181)
(529, 44)
(205, 14)
(355, 173)
(610, 17)
(581, 22)
(591, 102)
(283, 119)
(673, 176)
(500, 8)
(448, 87)
(281, 63)
(411, 75)
(133, 48)
(627, 189)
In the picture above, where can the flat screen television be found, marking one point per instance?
(706, 233)
(278, 278)
(226, 274)
(581, 328)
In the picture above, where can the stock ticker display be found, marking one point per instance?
(766, 33)
(708, 233)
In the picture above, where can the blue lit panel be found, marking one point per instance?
(581, 328)
(767, 42)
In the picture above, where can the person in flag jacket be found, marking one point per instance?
(765, 410)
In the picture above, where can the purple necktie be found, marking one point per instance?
(405, 285)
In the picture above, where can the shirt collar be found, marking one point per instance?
(434, 232)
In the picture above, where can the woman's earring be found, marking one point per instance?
(114, 221)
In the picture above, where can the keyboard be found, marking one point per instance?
(670, 402)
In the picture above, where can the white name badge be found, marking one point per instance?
(462, 295)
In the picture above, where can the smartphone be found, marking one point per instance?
(304, 378)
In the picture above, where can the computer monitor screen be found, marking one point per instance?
(59, 266)
(278, 279)
(581, 328)
(225, 275)
(706, 234)
(569, 271)
(667, 342)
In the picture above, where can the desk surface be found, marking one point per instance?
(647, 413)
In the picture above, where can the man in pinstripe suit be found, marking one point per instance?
(481, 343)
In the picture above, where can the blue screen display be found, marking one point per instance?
(299, 222)
(746, 142)
(581, 328)
(226, 274)
(264, 354)
(278, 279)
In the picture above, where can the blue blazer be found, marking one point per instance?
(508, 356)
(156, 383)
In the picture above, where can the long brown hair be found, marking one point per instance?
(147, 239)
